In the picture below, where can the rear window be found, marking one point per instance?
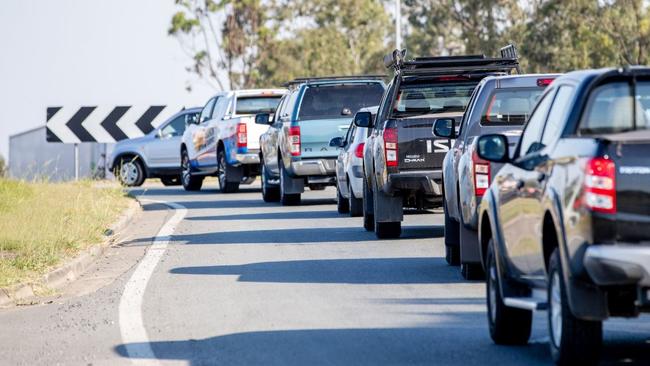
(420, 99)
(336, 101)
(255, 105)
(510, 106)
(615, 108)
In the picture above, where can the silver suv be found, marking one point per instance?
(154, 155)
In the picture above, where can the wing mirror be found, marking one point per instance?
(263, 119)
(493, 148)
(445, 127)
(337, 142)
(191, 119)
(363, 119)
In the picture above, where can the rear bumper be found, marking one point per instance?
(428, 182)
(621, 264)
(313, 167)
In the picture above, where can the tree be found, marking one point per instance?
(3, 167)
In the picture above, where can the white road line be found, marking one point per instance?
(134, 334)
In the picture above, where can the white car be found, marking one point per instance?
(349, 167)
(224, 140)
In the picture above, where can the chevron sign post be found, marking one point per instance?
(104, 124)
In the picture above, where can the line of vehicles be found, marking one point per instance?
(544, 179)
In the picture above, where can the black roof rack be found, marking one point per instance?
(453, 64)
(303, 80)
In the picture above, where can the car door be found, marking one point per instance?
(536, 178)
(373, 143)
(345, 155)
(163, 151)
(282, 118)
(197, 132)
(517, 212)
(207, 152)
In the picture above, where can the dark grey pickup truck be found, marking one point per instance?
(402, 159)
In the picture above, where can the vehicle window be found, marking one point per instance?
(611, 109)
(174, 128)
(532, 134)
(349, 136)
(283, 102)
(257, 104)
(470, 106)
(287, 112)
(419, 98)
(329, 100)
(206, 113)
(558, 115)
(219, 110)
(384, 108)
(510, 106)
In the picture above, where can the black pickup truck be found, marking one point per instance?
(402, 159)
(564, 225)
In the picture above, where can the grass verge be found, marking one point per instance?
(43, 223)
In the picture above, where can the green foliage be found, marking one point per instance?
(3, 167)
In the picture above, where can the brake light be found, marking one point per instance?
(599, 188)
(294, 140)
(390, 146)
(242, 135)
(481, 174)
(545, 81)
(358, 152)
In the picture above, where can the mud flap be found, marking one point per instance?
(234, 174)
(469, 246)
(291, 185)
(387, 208)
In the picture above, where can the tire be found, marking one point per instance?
(190, 182)
(171, 181)
(130, 172)
(368, 216)
(507, 325)
(287, 199)
(342, 205)
(472, 271)
(452, 237)
(385, 230)
(355, 204)
(270, 193)
(224, 185)
(573, 341)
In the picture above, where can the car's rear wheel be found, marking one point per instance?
(171, 181)
(270, 193)
(507, 325)
(287, 199)
(225, 185)
(573, 341)
(452, 236)
(342, 205)
(190, 182)
(130, 172)
(368, 214)
(356, 204)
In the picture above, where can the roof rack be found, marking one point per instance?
(303, 80)
(453, 64)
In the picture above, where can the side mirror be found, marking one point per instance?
(493, 148)
(363, 119)
(191, 119)
(445, 127)
(263, 119)
(337, 142)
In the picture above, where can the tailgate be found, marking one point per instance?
(315, 136)
(418, 148)
(254, 131)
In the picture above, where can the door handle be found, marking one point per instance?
(520, 184)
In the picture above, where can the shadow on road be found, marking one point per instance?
(293, 236)
(350, 271)
(330, 214)
(389, 346)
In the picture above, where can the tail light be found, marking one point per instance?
(242, 135)
(294, 140)
(390, 146)
(599, 189)
(358, 152)
(481, 174)
(545, 81)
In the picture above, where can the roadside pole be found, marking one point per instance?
(398, 25)
(76, 162)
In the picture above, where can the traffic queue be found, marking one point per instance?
(543, 179)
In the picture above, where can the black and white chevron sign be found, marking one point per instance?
(104, 124)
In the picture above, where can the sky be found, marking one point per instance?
(88, 52)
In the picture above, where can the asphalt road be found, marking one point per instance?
(231, 280)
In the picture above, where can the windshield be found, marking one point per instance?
(259, 104)
(510, 106)
(613, 109)
(418, 99)
(339, 100)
